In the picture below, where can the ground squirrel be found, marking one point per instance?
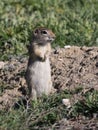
(38, 74)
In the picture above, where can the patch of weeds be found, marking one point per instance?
(12, 119)
(42, 113)
(74, 23)
(48, 111)
(45, 112)
(87, 105)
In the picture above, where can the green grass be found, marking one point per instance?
(46, 112)
(75, 22)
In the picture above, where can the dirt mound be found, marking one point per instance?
(71, 67)
(74, 67)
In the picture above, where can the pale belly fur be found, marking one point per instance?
(39, 78)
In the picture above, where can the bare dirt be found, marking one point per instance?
(72, 67)
(75, 67)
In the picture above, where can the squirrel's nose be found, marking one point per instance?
(51, 39)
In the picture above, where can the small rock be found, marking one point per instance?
(67, 47)
(66, 102)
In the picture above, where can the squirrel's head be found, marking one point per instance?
(43, 36)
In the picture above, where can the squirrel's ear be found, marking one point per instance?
(35, 32)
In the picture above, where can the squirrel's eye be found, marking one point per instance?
(44, 32)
